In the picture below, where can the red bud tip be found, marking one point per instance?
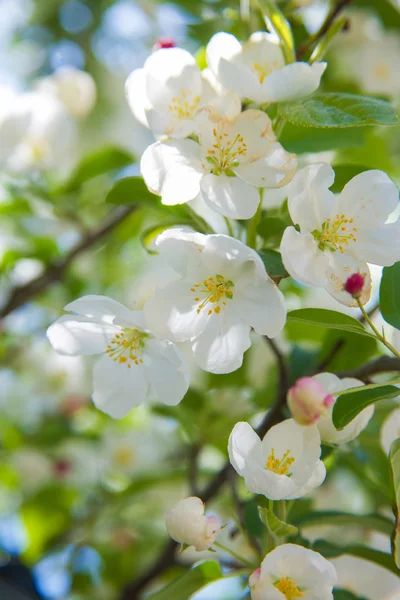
(164, 42)
(354, 284)
(61, 468)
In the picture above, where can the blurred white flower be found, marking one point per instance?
(223, 291)
(390, 430)
(133, 361)
(76, 89)
(377, 67)
(33, 468)
(365, 578)
(284, 465)
(78, 463)
(256, 70)
(292, 572)
(332, 385)
(187, 524)
(340, 234)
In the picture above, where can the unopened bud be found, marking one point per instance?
(307, 400)
(187, 524)
(164, 42)
(354, 284)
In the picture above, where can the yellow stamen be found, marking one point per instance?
(216, 289)
(288, 588)
(280, 466)
(127, 347)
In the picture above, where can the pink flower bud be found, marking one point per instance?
(354, 284)
(164, 42)
(307, 400)
(254, 578)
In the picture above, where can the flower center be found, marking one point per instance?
(124, 456)
(217, 290)
(185, 105)
(225, 152)
(127, 347)
(335, 234)
(280, 466)
(288, 588)
(263, 69)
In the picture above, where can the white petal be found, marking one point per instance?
(221, 45)
(242, 443)
(296, 80)
(135, 91)
(274, 170)
(379, 246)
(310, 202)
(220, 346)
(369, 198)
(230, 257)
(390, 430)
(172, 169)
(168, 372)
(340, 268)
(302, 257)
(181, 249)
(366, 578)
(262, 307)
(102, 308)
(230, 196)
(116, 388)
(74, 335)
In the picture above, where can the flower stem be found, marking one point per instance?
(278, 125)
(233, 554)
(380, 337)
(282, 513)
(229, 226)
(251, 234)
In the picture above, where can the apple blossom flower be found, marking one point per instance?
(76, 89)
(223, 291)
(333, 385)
(133, 362)
(284, 465)
(365, 579)
(233, 159)
(390, 430)
(166, 94)
(256, 70)
(292, 572)
(14, 120)
(308, 400)
(187, 524)
(340, 234)
(376, 65)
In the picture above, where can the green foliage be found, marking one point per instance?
(350, 403)
(389, 295)
(338, 110)
(273, 264)
(345, 595)
(342, 519)
(330, 550)
(275, 526)
(190, 582)
(330, 319)
(395, 464)
(299, 140)
(272, 224)
(276, 22)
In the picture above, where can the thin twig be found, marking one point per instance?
(56, 271)
(330, 18)
(383, 364)
(193, 469)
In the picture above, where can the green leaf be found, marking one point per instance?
(395, 466)
(330, 550)
(190, 582)
(274, 525)
(131, 190)
(277, 23)
(329, 319)
(343, 350)
(339, 594)
(96, 164)
(330, 517)
(272, 225)
(148, 235)
(338, 110)
(348, 405)
(322, 47)
(389, 295)
(295, 139)
(273, 264)
(343, 174)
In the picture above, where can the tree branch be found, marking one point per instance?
(330, 18)
(383, 364)
(56, 271)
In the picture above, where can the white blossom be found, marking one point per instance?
(133, 362)
(232, 160)
(257, 71)
(290, 572)
(333, 385)
(187, 524)
(390, 430)
(223, 292)
(365, 578)
(284, 465)
(76, 89)
(166, 94)
(340, 234)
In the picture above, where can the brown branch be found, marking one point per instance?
(56, 271)
(330, 18)
(383, 364)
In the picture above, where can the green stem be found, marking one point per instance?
(380, 337)
(282, 513)
(229, 226)
(201, 224)
(278, 125)
(233, 554)
(251, 234)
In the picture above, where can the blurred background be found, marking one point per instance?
(82, 497)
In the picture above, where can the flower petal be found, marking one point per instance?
(379, 246)
(310, 201)
(221, 45)
(181, 249)
(274, 170)
(102, 308)
(74, 335)
(168, 372)
(242, 443)
(230, 196)
(302, 257)
(135, 91)
(340, 268)
(262, 307)
(116, 388)
(296, 80)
